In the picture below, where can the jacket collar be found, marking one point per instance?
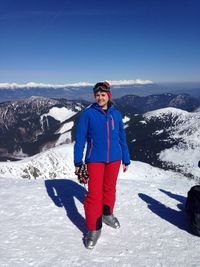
(97, 107)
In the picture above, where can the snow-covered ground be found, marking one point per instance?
(60, 114)
(42, 220)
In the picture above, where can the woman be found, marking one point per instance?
(102, 128)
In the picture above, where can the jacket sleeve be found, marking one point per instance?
(81, 138)
(123, 143)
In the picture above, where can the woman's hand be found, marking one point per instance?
(125, 167)
(82, 174)
(77, 170)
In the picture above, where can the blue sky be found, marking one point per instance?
(61, 41)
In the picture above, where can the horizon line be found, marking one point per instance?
(77, 84)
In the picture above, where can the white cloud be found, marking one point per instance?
(79, 84)
(42, 85)
(130, 82)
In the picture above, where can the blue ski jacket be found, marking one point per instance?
(104, 134)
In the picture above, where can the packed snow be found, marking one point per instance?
(64, 138)
(55, 163)
(60, 114)
(126, 119)
(66, 135)
(164, 111)
(66, 127)
(158, 132)
(42, 220)
(143, 122)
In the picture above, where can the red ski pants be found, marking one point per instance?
(101, 192)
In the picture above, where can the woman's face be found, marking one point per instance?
(102, 99)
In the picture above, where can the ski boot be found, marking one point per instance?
(111, 220)
(91, 238)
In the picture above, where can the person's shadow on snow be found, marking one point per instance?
(179, 198)
(177, 218)
(62, 192)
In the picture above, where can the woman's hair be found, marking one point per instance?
(111, 102)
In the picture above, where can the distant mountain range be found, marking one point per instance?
(136, 104)
(72, 93)
(162, 130)
(84, 91)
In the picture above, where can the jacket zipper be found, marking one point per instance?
(108, 140)
(108, 136)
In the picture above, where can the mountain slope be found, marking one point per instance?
(30, 126)
(155, 137)
(184, 156)
(54, 163)
(167, 138)
(49, 221)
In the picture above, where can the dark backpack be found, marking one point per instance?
(193, 209)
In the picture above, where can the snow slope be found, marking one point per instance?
(60, 114)
(42, 220)
(54, 163)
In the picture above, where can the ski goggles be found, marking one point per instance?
(101, 87)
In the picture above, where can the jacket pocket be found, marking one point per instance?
(112, 122)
